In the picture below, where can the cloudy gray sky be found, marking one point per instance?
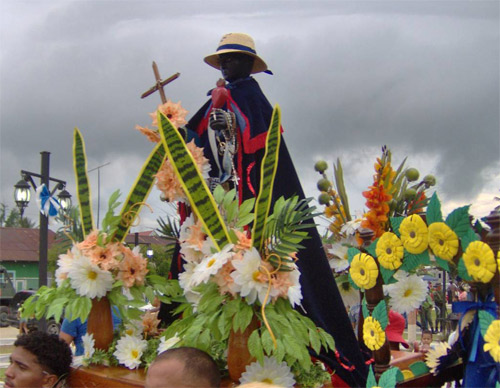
(419, 76)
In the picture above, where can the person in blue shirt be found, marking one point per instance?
(73, 331)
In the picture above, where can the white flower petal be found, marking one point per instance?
(271, 373)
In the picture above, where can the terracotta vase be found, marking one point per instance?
(238, 356)
(100, 323)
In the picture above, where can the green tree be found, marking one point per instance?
(13, 219)
(161, 259)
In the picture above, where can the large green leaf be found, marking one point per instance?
(459, 221)
(200, 198)
(140, 191)
(82, 182)
(434, 210)
(267, 174)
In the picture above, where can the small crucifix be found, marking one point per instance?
(160, 84)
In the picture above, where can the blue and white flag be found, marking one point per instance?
(48, 205)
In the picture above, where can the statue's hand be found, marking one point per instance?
(218, 120)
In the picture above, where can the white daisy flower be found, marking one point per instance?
(350, 296)
(247, 280)
(271, 373)
(210, 265)
(407, 294)
(88, 279)
(167, 344)
(134, 328)
(88, 345)
(186, 277)
(350, 227)
(295, 290)
(339, 262)
(129, 351)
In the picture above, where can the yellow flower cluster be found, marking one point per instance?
(364, 271)
(389, 251)
(480, 261)
(414, 234)
(373, 335)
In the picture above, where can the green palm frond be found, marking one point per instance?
(286, 227)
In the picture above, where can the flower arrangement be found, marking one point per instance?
(102, 267)
(409, 231)
(136, 344)
(239, 280)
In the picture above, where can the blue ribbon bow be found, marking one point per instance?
(49, 206)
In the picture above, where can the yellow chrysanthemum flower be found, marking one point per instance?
(373, 335)
(414, 234)
(443, 241)
(492, 340)
(480, 261)
(364, 271)
(389, 251)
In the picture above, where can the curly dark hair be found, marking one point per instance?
(52, 353)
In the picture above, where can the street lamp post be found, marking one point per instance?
(22, 197)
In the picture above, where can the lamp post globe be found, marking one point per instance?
(65, 200)
(22, 195)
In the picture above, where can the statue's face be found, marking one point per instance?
(235, 65)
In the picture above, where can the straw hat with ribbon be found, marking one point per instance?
(236, 42)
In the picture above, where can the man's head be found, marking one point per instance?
(39, 360)
(183, 367)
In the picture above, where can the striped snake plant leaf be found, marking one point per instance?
(82, 183)
(197, 191)
(140, 191)
(267, 174)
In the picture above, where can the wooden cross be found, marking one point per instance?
(160, 84)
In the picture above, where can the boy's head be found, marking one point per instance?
(39, 360)
(426, 337)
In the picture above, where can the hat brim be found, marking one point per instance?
(396, 337)
(258, 65)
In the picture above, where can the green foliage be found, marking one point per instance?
(268, 169)
(459, 221)
(110, 222)
(395, 224)
(82, 183)
(316, 376)
(139, 191)
(371, 381)
(159, 263)
(462, 271)
(235, 216)
(13, 218)
(285, 228)
(341, 191)
(485, 320)
(380, 314)
(388, 378)
(169, 228)
(434, 210)
(467, 238)
(194, 185)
